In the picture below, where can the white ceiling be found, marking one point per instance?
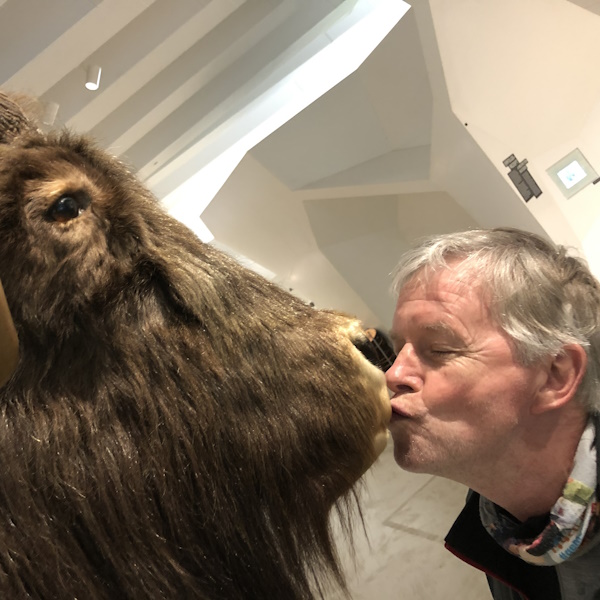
(327, 202)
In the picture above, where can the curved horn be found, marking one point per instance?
(13, 119)
(9, 343)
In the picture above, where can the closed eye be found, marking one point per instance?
(439, 355)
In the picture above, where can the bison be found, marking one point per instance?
(176, 426)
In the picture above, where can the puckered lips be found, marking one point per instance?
(398, 411)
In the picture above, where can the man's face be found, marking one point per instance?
(459, 396)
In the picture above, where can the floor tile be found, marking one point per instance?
(406, 517)
(431, 511)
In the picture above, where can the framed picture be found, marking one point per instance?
(572, 173)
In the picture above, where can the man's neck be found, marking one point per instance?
(529, 479)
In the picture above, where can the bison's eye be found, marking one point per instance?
(67, 207)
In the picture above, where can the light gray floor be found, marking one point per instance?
(407, 517)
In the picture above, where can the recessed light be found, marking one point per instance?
(93, 77)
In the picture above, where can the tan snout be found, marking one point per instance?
(374, 380)
(9, 343)
(381, 398)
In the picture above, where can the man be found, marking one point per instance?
(496, 386)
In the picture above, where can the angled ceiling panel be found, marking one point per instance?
(67, 51)
(45, 21)
(384, 107)
(404, 164)
(123, 55)
(591, 5)
(213, 53)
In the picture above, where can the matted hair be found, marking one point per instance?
(540, 295)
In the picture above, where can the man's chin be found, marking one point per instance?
(405, 459)
(409, 458)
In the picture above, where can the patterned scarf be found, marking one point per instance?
(572, 521)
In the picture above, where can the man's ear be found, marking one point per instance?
(564, 374)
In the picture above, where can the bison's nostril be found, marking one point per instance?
(376, 348)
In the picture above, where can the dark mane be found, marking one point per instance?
(177, 427)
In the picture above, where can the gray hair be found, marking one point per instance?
(539, 294)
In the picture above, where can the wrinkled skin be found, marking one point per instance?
(176, 426)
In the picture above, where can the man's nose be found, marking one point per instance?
(403, 375)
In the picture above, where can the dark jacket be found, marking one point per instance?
(511, 578)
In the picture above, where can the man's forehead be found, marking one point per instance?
(456, 279)
(435, 327)
(445, 302)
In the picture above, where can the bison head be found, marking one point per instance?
(176, 426)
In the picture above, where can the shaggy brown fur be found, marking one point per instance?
(177, 427)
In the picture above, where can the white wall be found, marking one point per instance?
(254, 201)
(522, 74)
